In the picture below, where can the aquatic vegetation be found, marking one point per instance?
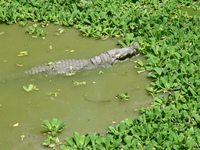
(53, 128)
(53, 95)
(69, 74)
(76, 83)
(169, 39)
(70, 51)
(22, 137)
(123, 96)
(23, 53)
(23, 23)
(101, 72)
(35, 31)
(1, 33)
(59, 31)
(30, 88)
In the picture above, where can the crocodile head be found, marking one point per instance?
(122, 54)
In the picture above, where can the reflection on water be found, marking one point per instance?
(86, 108)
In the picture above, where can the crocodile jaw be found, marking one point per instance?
(125, 53)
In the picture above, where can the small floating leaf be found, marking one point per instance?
(25, 88)
(123, 96)
(16, 125)
(76, 83)
(19, 64)
(22, 137)
(101, 72)
(2, 33)
(54, 94)
(23, 53)
(70, 51)
(31, 87)
(70, 74)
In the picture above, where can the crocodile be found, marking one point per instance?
(70, 66)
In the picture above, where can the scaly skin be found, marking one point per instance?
(104, 60)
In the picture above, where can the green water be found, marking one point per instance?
(86, 108)
(191, 11)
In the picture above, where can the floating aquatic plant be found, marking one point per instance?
(76, 83)
(23, 53)
(53, 128)
(35, 31)
(30, 88)
(123, 96)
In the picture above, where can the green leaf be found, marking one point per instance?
(112, 129)
(158, 70)
(139, 62)
(64, 147)
(70, 142)
(54, 122)
(164, 81)
(77, 138)
(47, 125)
(60, 125)
(128, 139)
(25, 88)
(87, 140)
(31, 87)
(176, 95)
(197, 117)
(158, 101)
(54, 133)
(47, 142)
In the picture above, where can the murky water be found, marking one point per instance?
(191, 11)
(86, 108)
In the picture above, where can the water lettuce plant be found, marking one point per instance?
(52, 129)
(35, 31)
(30, 88)
(169, 40)
(123, 96)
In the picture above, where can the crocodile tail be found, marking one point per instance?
(38, 69)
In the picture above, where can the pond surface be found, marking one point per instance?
(85, 108)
